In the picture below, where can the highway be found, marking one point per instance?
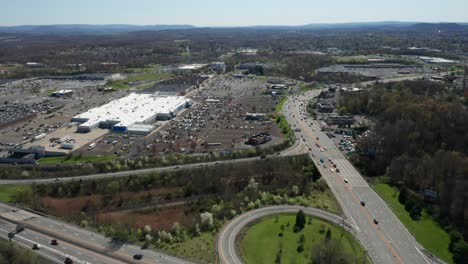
(80, 245)
(226, 243)
(83, 246)
(386, 242)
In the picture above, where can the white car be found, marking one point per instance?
(346, 180)
(332, 170)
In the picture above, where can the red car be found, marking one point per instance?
(68, 261)
(54, 242)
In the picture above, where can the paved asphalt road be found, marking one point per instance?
(227, 236)
(386, 242)
(81, 245)
(297, 148)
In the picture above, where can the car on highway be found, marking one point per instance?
(36, 246)
(138, 256)
(346, 180)
(363, 203)
(68, 261)
(376, 221)
(54, 242)
(216, 162)
(176, 167)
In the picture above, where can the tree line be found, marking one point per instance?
(420, 141)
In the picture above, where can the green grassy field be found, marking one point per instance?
(427, 231)
(199, 248)
(125, 83)
(262, 242)
(75, 159)
(8, 192)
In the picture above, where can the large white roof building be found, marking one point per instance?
(132, 109)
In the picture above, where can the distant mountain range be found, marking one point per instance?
(122, 28)
(87, 29)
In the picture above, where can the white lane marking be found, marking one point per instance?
(50, 249)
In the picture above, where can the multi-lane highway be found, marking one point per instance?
(227, 236)
(82, 246)
(386, 242)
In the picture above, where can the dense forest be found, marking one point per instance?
(420, 141)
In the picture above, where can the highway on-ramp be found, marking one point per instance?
(226, 244)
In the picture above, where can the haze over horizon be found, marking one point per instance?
(238, 13)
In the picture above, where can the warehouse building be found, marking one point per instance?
(133, 109)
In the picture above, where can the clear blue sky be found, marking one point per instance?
(228, 13)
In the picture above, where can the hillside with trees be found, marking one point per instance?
(420, 141)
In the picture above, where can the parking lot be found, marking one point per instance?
(216, 122)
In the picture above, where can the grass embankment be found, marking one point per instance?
(280, 104)
(8, 192)
(152, 77)
(261, 242)
(16, 254)
(75, 159)
(426, 231)
(199, 248)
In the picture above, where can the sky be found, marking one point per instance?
(228, 13)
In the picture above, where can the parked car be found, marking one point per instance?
(138, 256)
